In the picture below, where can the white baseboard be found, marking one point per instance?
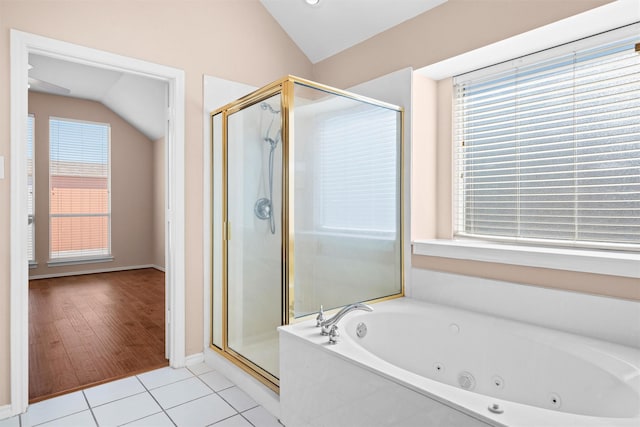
(157, 267)
(99, 270)
(194, 359)
(5, 412)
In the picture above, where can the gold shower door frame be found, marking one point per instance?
(284, 87)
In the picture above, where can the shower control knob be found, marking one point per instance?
(333, 334)
(262, 208)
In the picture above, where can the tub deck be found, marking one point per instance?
(391, 377)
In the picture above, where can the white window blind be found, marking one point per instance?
(79, 178)
(549, 152)
(31, 239)
(358, 171)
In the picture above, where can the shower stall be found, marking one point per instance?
(307, 212)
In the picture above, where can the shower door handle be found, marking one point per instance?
(226, 230)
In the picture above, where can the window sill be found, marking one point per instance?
(33, 264)
(612, 263)
(74, 261)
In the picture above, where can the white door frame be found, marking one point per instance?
(22, 44)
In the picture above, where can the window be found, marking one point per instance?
(31, 237)
(79, 179)
(549, 146)
(358, 171)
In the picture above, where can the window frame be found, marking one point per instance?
(320, 224)
(506, 258)
(458, 213)
(83, 259)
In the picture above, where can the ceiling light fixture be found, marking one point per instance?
(312, 2)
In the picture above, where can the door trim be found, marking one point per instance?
(22, 44)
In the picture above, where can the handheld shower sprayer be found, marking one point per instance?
(267, 106)
(263, 208)
(271, 140)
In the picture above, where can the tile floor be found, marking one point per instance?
(189, 397)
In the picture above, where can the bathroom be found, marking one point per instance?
(593, 296)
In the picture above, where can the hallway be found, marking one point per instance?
(89, 329)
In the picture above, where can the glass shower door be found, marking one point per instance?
(254, 239)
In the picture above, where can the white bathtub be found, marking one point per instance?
(422, 364)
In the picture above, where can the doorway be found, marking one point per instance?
(22, 45)
(89, 329)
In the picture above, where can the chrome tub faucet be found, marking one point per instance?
(330, 326)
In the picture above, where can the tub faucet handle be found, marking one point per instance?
(326, 325)
(320, 317)
(333, 334)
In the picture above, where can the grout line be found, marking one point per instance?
(229, 403)
(248, 409)
(154, 399)
(248, 420)
(224, 419)
(142, 418)
(216, 391)
(63, 416)
(188, 401)
(172, 382)
(207, 385)
(192, 400)
(115, 400)
(202, 373)
(86, 399)
(59, 418)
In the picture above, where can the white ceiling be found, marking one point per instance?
(332, 26)
(138, 100)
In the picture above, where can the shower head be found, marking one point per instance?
(273, 143)
(266, 106)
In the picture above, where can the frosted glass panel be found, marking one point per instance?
(347, 201)
(254, 210)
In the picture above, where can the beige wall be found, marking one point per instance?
(236, 40)
(450, 29)
(443, 186)
(423, 158)
(158, 203)
(597, 284)
(131, 183)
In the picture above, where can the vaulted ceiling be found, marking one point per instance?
(330, 26)
(319, 30)
(138, 100)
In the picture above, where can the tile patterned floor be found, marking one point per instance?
(187, 397)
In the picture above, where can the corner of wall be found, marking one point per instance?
(423, 157)
(445, 159)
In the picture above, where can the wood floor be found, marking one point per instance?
(90, 329)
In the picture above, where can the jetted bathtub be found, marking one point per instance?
(410, 363)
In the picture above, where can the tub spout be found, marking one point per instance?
(327, 324)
